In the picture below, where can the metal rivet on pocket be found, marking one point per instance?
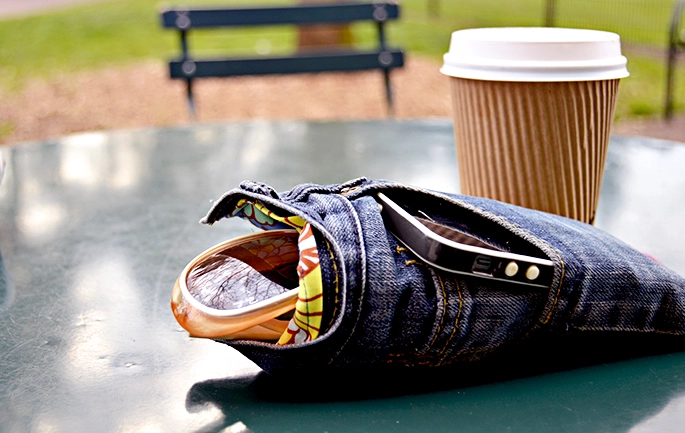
(532, 273)
(511, 269)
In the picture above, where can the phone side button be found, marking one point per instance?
(511, 269)
(533, 273)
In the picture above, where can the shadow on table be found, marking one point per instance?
(263, 398)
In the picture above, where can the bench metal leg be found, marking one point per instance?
(192, 112)
(388, 93)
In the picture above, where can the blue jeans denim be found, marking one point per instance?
(385, 307)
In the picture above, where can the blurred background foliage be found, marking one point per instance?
(126, 31)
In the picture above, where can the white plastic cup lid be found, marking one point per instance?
(534, 54)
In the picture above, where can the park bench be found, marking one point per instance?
(190, 68)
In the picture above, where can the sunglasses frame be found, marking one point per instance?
(256, 321)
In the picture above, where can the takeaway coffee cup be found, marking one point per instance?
(533, 109)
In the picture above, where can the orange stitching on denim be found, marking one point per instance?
(501, 343)
(442, 318)
(456, 320)
(399, 250)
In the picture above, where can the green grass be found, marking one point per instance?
(6, 129)
(642, 94)
(126, 31)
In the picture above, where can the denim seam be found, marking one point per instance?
(561, 280)
(442, 318)
(456, 320)
(491, 348)
(484, 349)
(642, 331)
(295, 211)
(337, 284)
(399, 250)
(349, 209)
(556, 253)
(304, 193)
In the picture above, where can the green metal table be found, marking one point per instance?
(94, 229)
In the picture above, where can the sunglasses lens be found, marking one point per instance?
(253, 270)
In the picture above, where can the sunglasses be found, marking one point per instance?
(244, 288)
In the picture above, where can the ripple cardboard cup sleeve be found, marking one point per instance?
(533, 109)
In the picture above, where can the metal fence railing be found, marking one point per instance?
(646, 23)
(651, 28)
(639, 22)
(676, 46)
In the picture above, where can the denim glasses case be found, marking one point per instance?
(388, 308)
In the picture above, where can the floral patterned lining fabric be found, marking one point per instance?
(306, 322)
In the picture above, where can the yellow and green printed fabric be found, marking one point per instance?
(306, 322)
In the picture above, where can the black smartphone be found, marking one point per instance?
(454, 251)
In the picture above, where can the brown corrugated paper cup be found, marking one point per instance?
(533, 109)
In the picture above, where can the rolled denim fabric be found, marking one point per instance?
(385, 307)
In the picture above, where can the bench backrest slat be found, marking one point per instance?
(185, 19)
(285, 65)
